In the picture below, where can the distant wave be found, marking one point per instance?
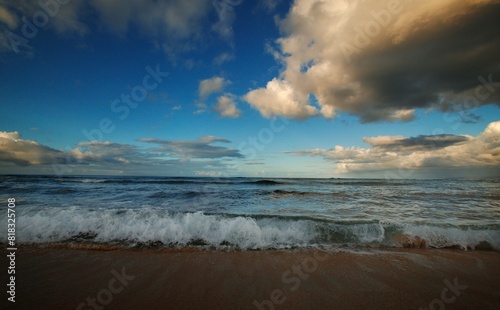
(92, 181)
(207, 181)
(181, 194)
(152, 226)
(282, 192)
(292, 193)
(367, 183)
(264, 182)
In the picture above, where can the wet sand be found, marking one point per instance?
(62, 278)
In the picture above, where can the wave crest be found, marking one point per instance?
(154, 226)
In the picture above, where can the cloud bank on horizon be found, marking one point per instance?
(398, 153)
(183, 157)
(385, 154)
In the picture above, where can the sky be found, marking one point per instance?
(260, 88)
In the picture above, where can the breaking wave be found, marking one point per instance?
(154, 226)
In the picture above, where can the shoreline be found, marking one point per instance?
(191, 278)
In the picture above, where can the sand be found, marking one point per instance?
(62, 278)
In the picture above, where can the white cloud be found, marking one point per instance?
(423, 152)
(14, 149)
(281, 99)
(381, 60)
(210, 86)
(227, 107)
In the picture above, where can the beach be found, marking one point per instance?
(90, 277)
(248, 243)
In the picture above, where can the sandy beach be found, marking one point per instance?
(189, 278)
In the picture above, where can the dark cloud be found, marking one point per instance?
(97, 157)
(201, 148)
(440, 56)
(419, 143)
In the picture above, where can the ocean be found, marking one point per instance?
(253, 213)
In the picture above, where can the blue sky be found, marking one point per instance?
(268, 88)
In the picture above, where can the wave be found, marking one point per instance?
(210, 181)
(62, 191)
(264, 182)
(157, 227)
(367, 183)
(282, 192)
(92, 181)
(185, 194)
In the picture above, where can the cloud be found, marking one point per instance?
(207, 87)
(280, 99)
(13, 149)
(269, 5)
(399, 143)
(381, 60)
(198, 149)
(104, 157)
(222, 58)
(227, 107)
(8, 18)
(181, 19)
(175, 26)
(388, 153)
(107, 153)
(225, 10)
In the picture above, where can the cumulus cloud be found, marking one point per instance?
(14, 149)
(210, 86)
(227, 107)
(201, 148)
(280, 98)
(423, 152)
(381, 60)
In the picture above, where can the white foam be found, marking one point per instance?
(441, 237)
(149, 224)
(93, 181)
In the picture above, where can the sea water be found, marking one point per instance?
(252, 213)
